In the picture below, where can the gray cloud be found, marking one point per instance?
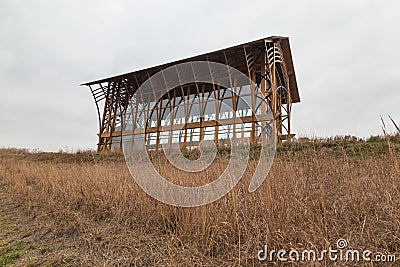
(345, 55)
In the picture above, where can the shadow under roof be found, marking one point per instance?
(234, 55)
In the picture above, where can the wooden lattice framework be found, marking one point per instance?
(267, 62)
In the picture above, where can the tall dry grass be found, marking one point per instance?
(316, 192)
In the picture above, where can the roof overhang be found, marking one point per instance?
(236, 59)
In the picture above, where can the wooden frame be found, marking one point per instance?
(193, 112)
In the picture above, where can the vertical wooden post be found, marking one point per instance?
(253, 107)
(113, 114)
(263, 95)
(172, 104)
(274, 85)
(158, 114)
(186, 116)
(217, 110)
(201, 111)
(234, 107)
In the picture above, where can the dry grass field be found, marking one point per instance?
(84, 209)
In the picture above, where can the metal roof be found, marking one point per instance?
(234, 55)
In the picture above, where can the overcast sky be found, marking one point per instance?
(346, 57)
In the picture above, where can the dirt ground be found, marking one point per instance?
(31, 238)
